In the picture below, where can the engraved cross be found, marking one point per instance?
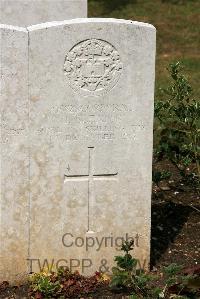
(90, 178)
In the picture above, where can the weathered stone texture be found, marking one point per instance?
(91, 120)
(76, 141)
(30, 12)
(14, 159)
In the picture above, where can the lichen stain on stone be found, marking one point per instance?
(36, 190)
(74, 203)
(35, 99)
(22, 168)
(56, 213)
(104, 199)
(75, 156)
(17, 216)
(54, 184)
(40, 157)
(9, 194)
(56, 199)
(38, 169)
(15, 266)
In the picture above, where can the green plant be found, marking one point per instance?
(159, 176)
(41, 282)
(173, 283)
(133, 296)
(126, 277)
(177, 284)
(122, 274)
(170, 274)
(65, 284)
(177, 121)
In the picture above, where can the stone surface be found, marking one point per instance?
(91, 94)
(14, 159)
(76, 137)
(30, 12)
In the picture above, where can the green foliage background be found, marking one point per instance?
(177, 23)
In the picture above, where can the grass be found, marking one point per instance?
(177, 23)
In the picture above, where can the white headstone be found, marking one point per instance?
(30, 12)
(91, 88)
(90, 111)
(14, 157)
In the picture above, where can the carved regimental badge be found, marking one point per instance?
(93, 67)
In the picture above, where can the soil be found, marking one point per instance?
(175, 221)
(175, 229)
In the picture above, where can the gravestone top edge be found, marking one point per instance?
(1, 1)
(90, 20)
(14, 28)
(25, 13)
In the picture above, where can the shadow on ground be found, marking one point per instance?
(167, 221)
(111, 5)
